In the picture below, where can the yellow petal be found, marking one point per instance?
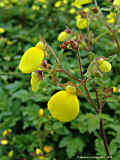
(78, 3)
(63, 106)
(35, 81)
(81, 23)
(31, 60)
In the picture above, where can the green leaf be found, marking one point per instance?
(105, 116)
(73, 145)
(99, 147)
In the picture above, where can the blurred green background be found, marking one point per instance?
(24, 112)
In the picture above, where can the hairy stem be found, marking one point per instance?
(89, 97)
(60, 65)
(101, 123)
(104, 140)
(79, 59)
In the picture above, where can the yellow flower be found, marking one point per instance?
(114, 89)
(2, 30)
(104, 66)
(116, 2)
(86, 10)
(38, 152)
(64, 105)
(41, 112)
(110, 17)
(6, 132)
(10, 154)
(35, 81)
(72, 10)
(81, 23)
(31, 60)
(3, 142)
(63, 36)
(57, 4)
(78, 3)
(65, 1)
(35, 7)
(47, 149)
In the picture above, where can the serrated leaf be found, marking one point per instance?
(99, 147)
(105, 116)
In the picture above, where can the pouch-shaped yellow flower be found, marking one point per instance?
(64, 105)
(35, 81)
(31, 60)
(81, 23)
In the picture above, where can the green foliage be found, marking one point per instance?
(24, 21)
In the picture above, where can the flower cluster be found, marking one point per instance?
(31, 62)
(41, 153)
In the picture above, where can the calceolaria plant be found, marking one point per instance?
(64, 105)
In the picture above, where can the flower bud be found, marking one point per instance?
(47, 149)
(41, 112)
(38, 152)
(104, 66)
(3, 142)
(10, 154)
(63, 36)
(41, 45)
(71, 89)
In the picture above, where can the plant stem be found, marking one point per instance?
(54, 55)
(60, 65)
(89, 97)
(70, 75)
(101, 124)
(79, 59)
(84, 83)
(104, 140)
(97, 96)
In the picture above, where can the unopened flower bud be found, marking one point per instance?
(104, 66)
(63, 36)
(71, 89)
